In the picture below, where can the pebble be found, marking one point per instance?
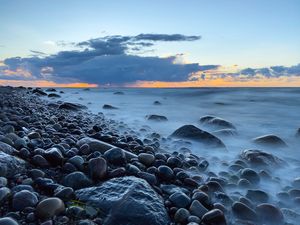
(181, 215)
(24, 199)
(8, 221)
(97, 168)
(76, 180)
(180, 200)
(146, 159)
(49, 207)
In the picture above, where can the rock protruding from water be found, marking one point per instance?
(72, 106)
(53, 95)
(261, 158)
(194, 133)
(106, 106)
(216, 122)
(156, 103)
(119, 93)
(157, 118)
(10, 165)
(270, 140)
(126, 200)
(39, 92)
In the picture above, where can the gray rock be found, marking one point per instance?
(3, 181)
(4, 194)
(24, 199)
(194, 133)
(146, 158)
(242, 211)
(106, 106)
(49, 207)
(34, 135)
(165, 173)
(270, 214)
(10, 165)
(197, 209)
(262, 159)
(115, 156)
(257, 196)
(76, 180)
(181, 215)
(216, 122)
(72, 106)
(157, 118)
(126, 200)
(180, 200)
(250, 175)
(97, 168)
(215, 216)
(270, 140)
(8, 221)
(6, 148)
(96, 145)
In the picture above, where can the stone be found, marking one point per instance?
(181, 215)
(54, 156)
(216, 122)
(71, 106)
(269, 214)
(194, 133)
(157, 118)
(97, 168)
(215, 216)
(243, 212)
(106, 106)
(49, 208)
(257, 196)
(38, 92)
(270, 140)
(115, 156)
(10, 165)
(119, 93)
(126, 200)
(4, 194)
(6, 148)
(8, 221)
(34, 135)
(146, 158)
(24, 199)
(262, 159)
(76, 180)
(225, 132)
(165, 173)
(250, 175)
(53, 95)
(197, 209)
(180, 200)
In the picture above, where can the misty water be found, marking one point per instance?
(253, 111)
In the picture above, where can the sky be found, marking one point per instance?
(139, 43)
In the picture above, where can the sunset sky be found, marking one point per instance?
(139, 43)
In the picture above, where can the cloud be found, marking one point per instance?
(107, 60)
(117, 60)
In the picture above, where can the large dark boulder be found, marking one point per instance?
(39, 92)
(72, 106)
(106, 106)
(126, 200)
(10, 165)
(194, 133)
(216, 122)
(261, 158)
(270, 140)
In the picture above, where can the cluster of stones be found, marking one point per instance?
(60, 164)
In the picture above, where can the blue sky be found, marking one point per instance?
(247, 33)
(244, 32)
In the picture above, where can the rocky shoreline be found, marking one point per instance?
(60, 164)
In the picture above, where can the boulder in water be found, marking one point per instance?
(53, 95)
(106, 106)
(126, 200)
(119, 93)
(261, 158)
(270, 140)
(194, 133)
(216, 122)
(154, 117)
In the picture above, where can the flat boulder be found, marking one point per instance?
(261, 158)
(101, 146)
(194, 133)
(270, 140)
(126, 200)
(216, 122)
(10, 165)
(157, 118)
(71, 106)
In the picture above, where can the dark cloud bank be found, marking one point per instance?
(115, 60)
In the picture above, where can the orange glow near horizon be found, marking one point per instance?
(293, 81)
(45, 83)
